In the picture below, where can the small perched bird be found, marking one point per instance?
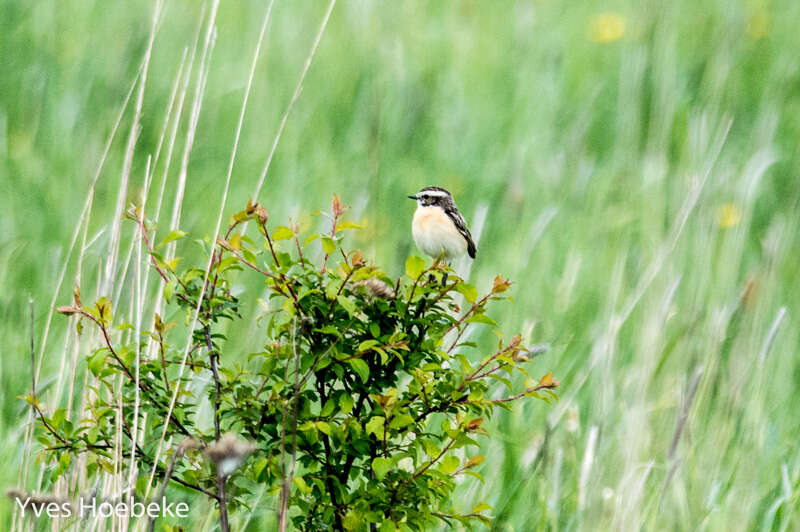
(438, 226)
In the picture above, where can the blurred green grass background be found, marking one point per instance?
(584, 132)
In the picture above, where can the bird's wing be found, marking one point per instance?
(461, 225)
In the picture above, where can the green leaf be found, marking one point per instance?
(343, 226)
(375, 331)
(347, 304)
(327, 409)
(175, 234)
(360, 367)
(58, 416)
(431, 449)
(366, 345)
(96, 362)
(346, 403)
(103, 308)
(332, 288)
(449, 464)
(482, 318)
(324, 427)
(92, 435)
(414, 266)
(282, 233)
(400, 421)
(300, 483)
(469, 292)
(288, 307)
(387, 526)
(352, 520)
(375, 426)
(328, 245)
(381, 466)
(480, 507)
(235, 242)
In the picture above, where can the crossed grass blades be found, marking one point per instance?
(359, 413)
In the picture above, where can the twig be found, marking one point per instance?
(536, 388)
(179, 452)
(433, 460)
(163, 362)
(461, 320)
(223, 505)
(287, 479)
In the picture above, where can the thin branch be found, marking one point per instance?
(179, 452)
(163, 362)
(213, 356)
(536, 388)
(434, 460)
(287, 479)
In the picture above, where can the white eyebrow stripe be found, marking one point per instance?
(435, 193)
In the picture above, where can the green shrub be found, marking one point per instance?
(351, 413)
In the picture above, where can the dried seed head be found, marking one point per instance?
(376, 288)
(229, 452)
(188, 443)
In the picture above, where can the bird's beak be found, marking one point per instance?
(412, 197)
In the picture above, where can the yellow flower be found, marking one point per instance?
(606, 27)
(728, 215)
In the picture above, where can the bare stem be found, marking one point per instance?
(287, 478)
(223, 505)
(179, 452)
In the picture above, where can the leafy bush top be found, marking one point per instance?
(355, 406)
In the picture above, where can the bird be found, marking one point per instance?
(438, 227)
